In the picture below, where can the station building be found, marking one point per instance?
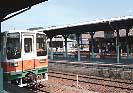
(58, 43)
(105, 42)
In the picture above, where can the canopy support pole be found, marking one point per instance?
(118, 46)
(1, 70)
(78, 46)
(65, 37)
(127, 44)
(92, 44)
(51, 49)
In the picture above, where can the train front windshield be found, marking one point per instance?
(13, 48)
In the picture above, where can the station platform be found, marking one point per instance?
(123, 61)
(104, 68)
(10, 88)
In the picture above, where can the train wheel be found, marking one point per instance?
(30, 79)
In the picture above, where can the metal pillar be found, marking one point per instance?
(78, 46)
(117, 46)
(51, 49)
(81, 41)
(127, 46)
(65, 37)
(0, 45)
(1, 70)
(92, 43)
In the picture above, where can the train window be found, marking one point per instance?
(41, 45)
(28, 45)
(13, 46)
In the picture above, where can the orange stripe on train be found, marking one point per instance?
(27, 64)
(41, 63)
(7, 67)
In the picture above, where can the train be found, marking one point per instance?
(24, 57)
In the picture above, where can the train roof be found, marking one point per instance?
(24, 31)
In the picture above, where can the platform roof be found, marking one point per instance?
(11, 6)
(92, 26)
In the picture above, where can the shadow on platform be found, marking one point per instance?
(10, 88)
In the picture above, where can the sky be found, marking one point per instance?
(63, 12)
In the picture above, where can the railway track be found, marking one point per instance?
(128, 85)
(54, 87)
(40, 88)
(62, 82)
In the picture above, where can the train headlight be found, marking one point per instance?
(15, 64)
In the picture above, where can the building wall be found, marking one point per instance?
(59, 43)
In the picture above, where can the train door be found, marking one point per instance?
(28, 52)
